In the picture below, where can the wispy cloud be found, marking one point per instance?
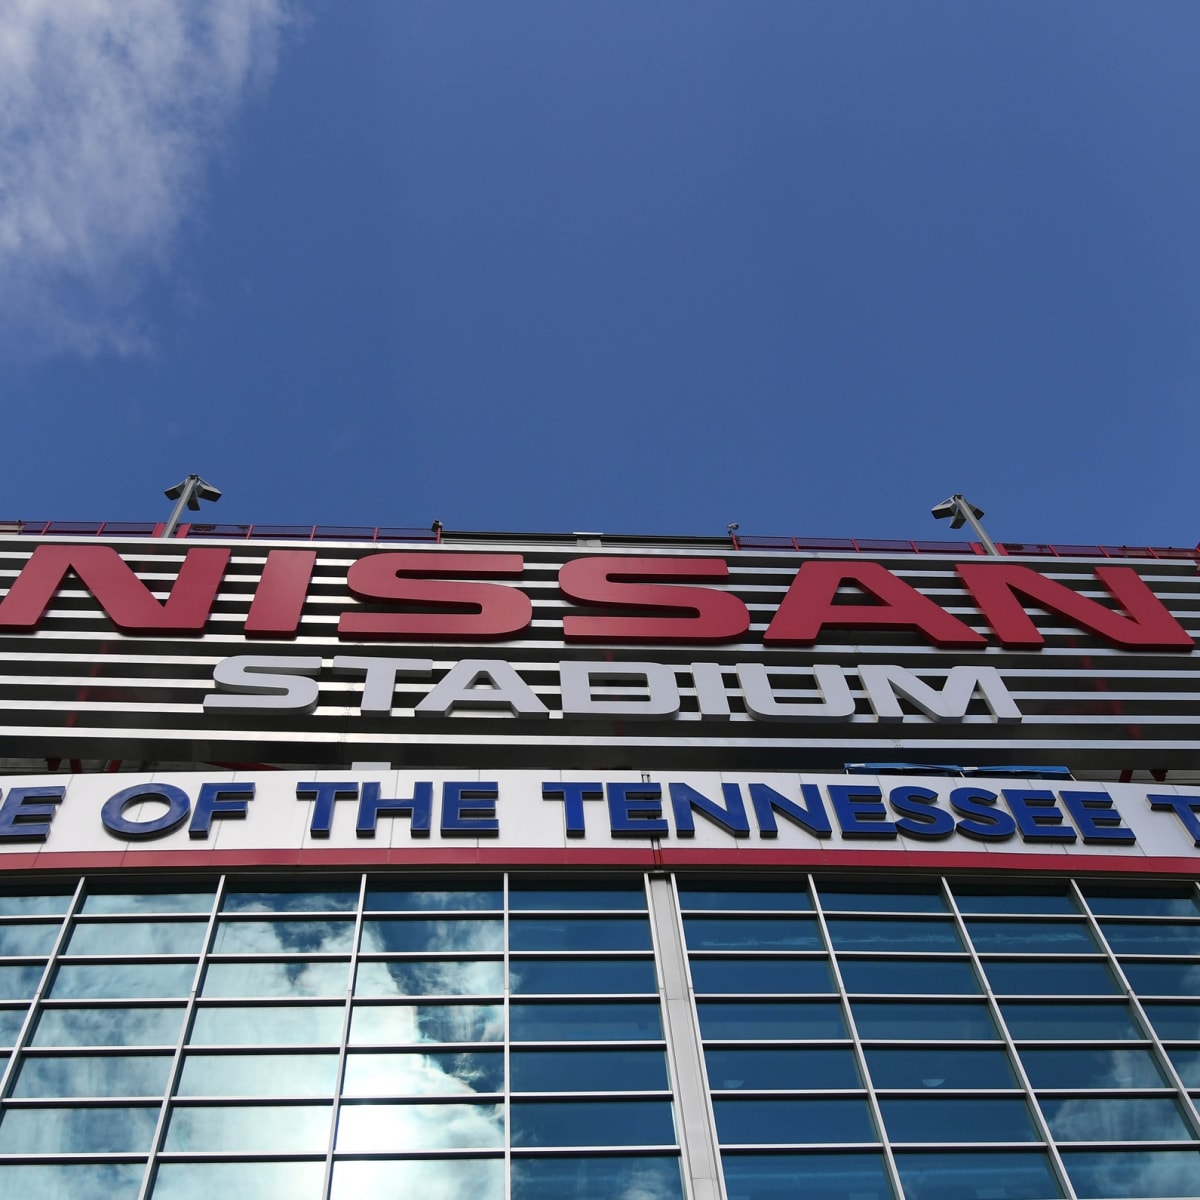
(109, 113)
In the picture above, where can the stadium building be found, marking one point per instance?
(478, 866)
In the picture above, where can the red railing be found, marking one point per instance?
(899, 545)
(306, 533)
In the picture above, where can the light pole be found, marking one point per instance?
(960, 510)
(188, 494)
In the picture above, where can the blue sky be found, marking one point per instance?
(631, 266)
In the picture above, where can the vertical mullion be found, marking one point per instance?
(504, 880)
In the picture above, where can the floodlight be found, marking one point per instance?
(962, 512)
(188, 493)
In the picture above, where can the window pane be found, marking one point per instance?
(1050, 978)
(234, 1180)
(267, 1025)
(33, 904)
(137, 937)
(435, 895)
(1152, 937)
(1104, 1119)
(424, 1074)
(363, 1128)
(1118, 1174)
(1101, 1068)
(785, 1120)
(19, 983)
(750, 1020)
(77, 1130)
(284, 937)
(259, 1129)
(626, 896)
(958, 1119)
(1163, 979)
(427, 1178)
(933, 1067)
(745, 899)
(286, 978)
(1143, 902)
(581, 975)
(1187, 1063)
(917, 899)
(412, 934)
(579, 933)
(1032, 937)
(1071, 1022)
(1175, 1021)
(608, 1021)
(430, 977)
(612, 1070)
(753, 933)
(149, 902)
(282, 900)
(26, 940)
(579, 1178)
(1052, 901)
(793, 1068)
(893, 934)
(401, 1023)
(592, 1123)
(923, 977)
(920, 1021)
(118, 980)
(94, 1075)
(108, 1027)
(776, 975)
(11, 1020)
(258, 1075)
(830, 1176)
(976, 1175)
(79, 1181)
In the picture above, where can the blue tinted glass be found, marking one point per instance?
(626, 896)
(21, 940)
(781, 899)
(1032, 937)
(581, 975)
(260, 1180)
(11, 1020)
(108, 1027)
(793, 1121)
(922, 977)
(1152, 937)
(579, 933)
(1121, 1174)
(79, 1181)
(287, 978)
(933, 1067)
(372, 1128)
(1071, 1022)
(1050, 978)
(200, 901)
(267, 1025)
(1052, 900)
(430, 977)
(118, 980)
(794, 1068)
(1143, 902)
(435, 895)
(1163, 978)
(917, 899)
(438, 1074)
(1175, 1021)
(268, 1129)
(608, 1021)
(447, 936)
(1085, 1068)
(775, 975)
(920, 1021)
(829, 1176)
(596, 1178)
(957, 1119)
(1187, 1063)
(282, 900)
(284, 937)
(33, 904)
(1105, 1119)
(422, 1179)
(77, 1130)
(750, 1020)
(893, 934)
(137, 937)
(976, 1175)
(606, 1070)
(591, 1123)
(753, 933)
(258, 1075)
(19, 983)
(415, 1023)
(94, 1075)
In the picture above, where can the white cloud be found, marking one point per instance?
(109, 112)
